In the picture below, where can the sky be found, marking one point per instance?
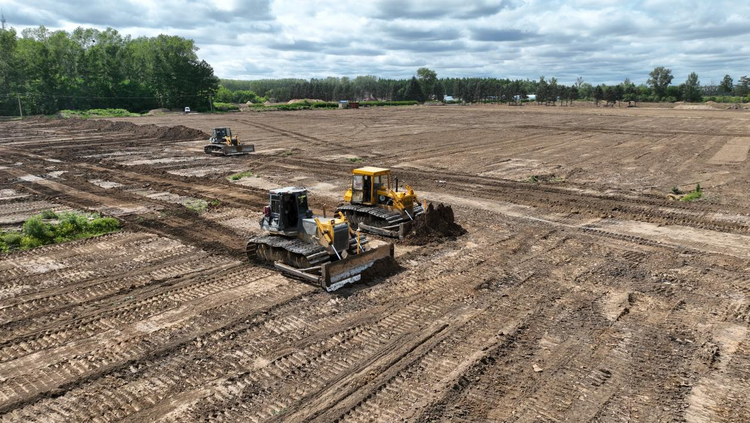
(603, 41)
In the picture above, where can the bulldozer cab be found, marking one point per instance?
(367, 181)
(220, 133)
(288, 206)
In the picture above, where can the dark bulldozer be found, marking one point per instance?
(222, 143)
(320, 250)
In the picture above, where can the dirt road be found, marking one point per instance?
(588, 296)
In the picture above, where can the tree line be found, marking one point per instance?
(425, 86)
(46, 71)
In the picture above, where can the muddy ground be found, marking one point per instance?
(579, 292)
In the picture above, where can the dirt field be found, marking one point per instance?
(587, 296)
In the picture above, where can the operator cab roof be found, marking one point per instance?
(288, 190)
(371, 170)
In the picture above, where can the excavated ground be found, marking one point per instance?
(586, 295)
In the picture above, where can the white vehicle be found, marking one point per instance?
(187, 110)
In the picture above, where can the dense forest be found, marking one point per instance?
(46, 71)
(425, 85)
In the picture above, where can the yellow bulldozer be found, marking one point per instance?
(222, 143)
(374, 204)
(321, 250)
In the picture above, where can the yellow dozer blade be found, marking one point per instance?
(335, 274)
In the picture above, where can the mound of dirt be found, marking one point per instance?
(435, 224)
(695, 107)
(161, 133)
(157, 112)
(302, 100)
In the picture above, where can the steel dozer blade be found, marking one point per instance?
(229, 150)
(394, 231)
(334, 275)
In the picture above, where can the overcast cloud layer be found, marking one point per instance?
(601, 40)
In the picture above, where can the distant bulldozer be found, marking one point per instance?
(222, 143)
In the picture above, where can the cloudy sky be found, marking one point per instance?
(601, 40)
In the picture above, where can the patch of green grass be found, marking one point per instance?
(693, 195)
(97, 113)
(68, 227)
(197, 205)
(238, 176)
(356, 159)
(214, 203)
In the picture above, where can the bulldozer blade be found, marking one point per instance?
(238, 150)
(399, 231)
(336, 274)
(296, 272)
(230, 150)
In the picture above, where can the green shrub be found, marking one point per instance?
(3, 247)
(29, 242)
(324, 105)
(97, 113)
(724, 99)
(12, 239)
(70, 226)
(35, 228)
(302, 105)
(103, 225)
(48, 214)
(225, 107)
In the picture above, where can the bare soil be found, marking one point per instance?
(584, 296)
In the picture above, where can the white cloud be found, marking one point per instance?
(601, 40)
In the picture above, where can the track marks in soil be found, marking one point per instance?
(154, 328)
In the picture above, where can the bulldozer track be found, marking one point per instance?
(564, 301)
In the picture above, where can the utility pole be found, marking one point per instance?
(20, 110)
(211, 102)
(2, 19)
